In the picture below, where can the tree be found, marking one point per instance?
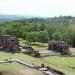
(43, 37)
(72, 34)
(42, 27)
(32, 36)
(57, 36)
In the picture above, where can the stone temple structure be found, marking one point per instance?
(59, 46)
(9, 43)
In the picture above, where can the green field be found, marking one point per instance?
(65, 64)
(15, 66)
(37, 45)
(61, 63)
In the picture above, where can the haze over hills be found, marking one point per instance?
(5, 18)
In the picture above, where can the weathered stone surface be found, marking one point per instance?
(59, 46)
(9, 43)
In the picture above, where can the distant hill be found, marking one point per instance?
(5, 18)
(61, 19)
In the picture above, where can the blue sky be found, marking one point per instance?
(44, 8)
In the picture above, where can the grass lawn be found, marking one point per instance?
(61, 63)
(37, 45)
(64, 64)
(15, 66)
(10, 67)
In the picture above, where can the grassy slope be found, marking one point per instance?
(62, 63)
(37, 46)
(16, 66)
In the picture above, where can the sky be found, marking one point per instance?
(43, 8)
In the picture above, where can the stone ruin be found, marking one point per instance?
(59, 46)
(9, 43)
(30, 51)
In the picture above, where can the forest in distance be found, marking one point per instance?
(42, 29)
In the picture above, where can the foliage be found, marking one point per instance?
(32, 36)
(41, 36)
(57, 28)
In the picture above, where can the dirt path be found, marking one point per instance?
(11, 73)
(23, 71)
(47, 52)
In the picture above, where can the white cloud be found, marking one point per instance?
(38, 7)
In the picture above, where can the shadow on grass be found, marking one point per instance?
(11, 52)
(35, 44)
(72, 67)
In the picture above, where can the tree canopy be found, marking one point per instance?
(42, 29)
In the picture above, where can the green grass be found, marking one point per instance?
(28, 58)
(10, 67)
(61, 63)
(15, 66)
(37, 45)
